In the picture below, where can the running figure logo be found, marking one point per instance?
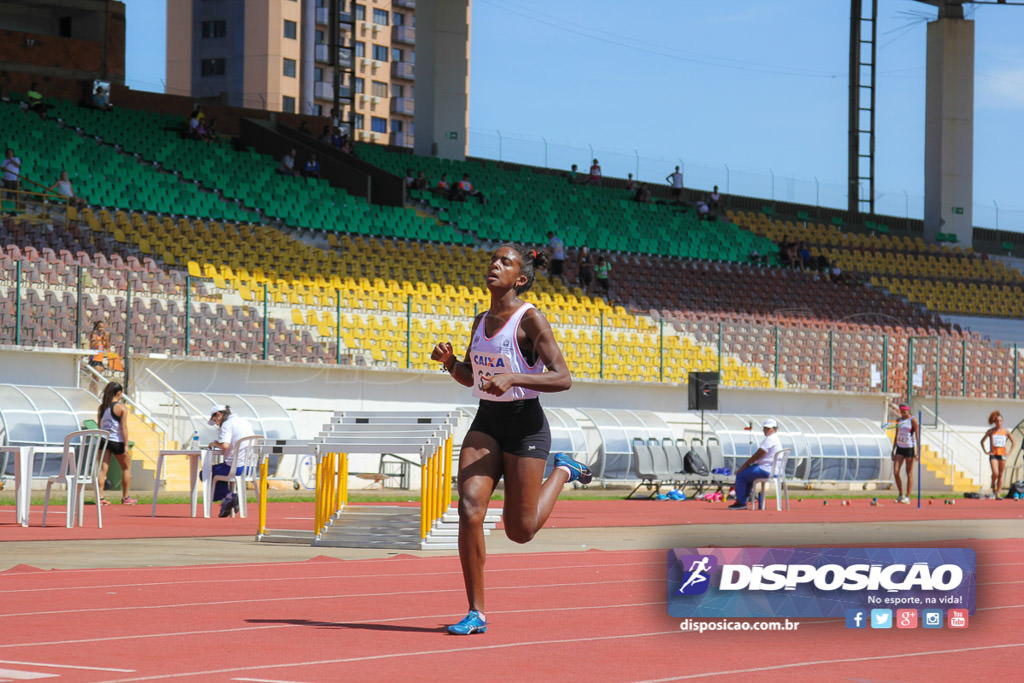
(696, 573)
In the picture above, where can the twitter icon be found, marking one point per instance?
(881, 618)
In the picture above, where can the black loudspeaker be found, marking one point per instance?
(702, 389)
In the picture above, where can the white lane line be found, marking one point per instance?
(396, 655)
(16, 675)
(820, 662)
(65, 666)
(266, 680)
(404, 618)
(118, 608)
(360, 575)
(313, 562)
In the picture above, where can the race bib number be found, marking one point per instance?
(998, 440)
(486, 366)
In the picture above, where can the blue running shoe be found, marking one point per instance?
(577, 470)
(472, 623)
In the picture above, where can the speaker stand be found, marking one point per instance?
(702, 426)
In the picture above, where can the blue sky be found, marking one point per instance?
(747, 94)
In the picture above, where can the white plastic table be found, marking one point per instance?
(197, 459)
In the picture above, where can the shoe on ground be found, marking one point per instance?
(227, 505)
(577, 470)
(471, 623)
(128, 500)
(737, 506)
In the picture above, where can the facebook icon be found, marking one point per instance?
(856, 618)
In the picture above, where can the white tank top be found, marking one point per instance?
(905, 433)
(111, 425)
(500, 354)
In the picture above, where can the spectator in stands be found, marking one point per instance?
(420, 182)
(601, 276)
(112, 417)
(465, 189)
(836, 274)
(194, 120)
(444, 188)
(339, 141)
(757, 466)
(573, 176)
(585, 269)
(642, 194)
(409, 181)
(232, 429)
(595, 174)
(34, 100)
(514, 358)
(997, 437)
(556, 267)
(63, 188)
(715, 201)
(326, 135)
(804, 255)
(631, 184)
(675, 180)
(287, 166)
(904, 451)
(703, 210)
(312, 167)
(11, 173)
(99, 341)
(101, 99)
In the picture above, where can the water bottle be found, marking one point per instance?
(195, 439)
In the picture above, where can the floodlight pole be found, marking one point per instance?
(863, 34)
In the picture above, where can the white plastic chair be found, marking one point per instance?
(778, 480)
(79, 467)
(244, 448)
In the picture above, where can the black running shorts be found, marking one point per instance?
(906, 451)
(519, 427)
(115, 447)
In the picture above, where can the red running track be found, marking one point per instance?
(173, 520)
(588, 616)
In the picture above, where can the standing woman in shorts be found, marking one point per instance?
(113, 419)
(997, 437)
(512, 357)
(904, 451)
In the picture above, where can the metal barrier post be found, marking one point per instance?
(318, 496)
(127, 334)
(188, 321)
(885, 364)
(17, 303)
(337, 331)
(661, 350)
(831, 356)
(600, 373)
(78, 306)
(963, 367)
(408, 331)
(776, 356)
(265, 321)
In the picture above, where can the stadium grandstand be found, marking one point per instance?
(200, 254)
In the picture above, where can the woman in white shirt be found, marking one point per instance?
(512, 357)
(65, 190)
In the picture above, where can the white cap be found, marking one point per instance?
(215, 410)
(770, 423)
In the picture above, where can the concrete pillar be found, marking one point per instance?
(307, 62)
(949, 130)
(442, 78)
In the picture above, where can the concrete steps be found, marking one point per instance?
(948, 476)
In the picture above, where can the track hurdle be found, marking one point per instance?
(427, 435)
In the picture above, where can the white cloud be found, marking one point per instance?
(1002, 88)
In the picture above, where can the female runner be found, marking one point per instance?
(997, 437)
(512, 356)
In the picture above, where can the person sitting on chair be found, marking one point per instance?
(232, 429)
(757, 466)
